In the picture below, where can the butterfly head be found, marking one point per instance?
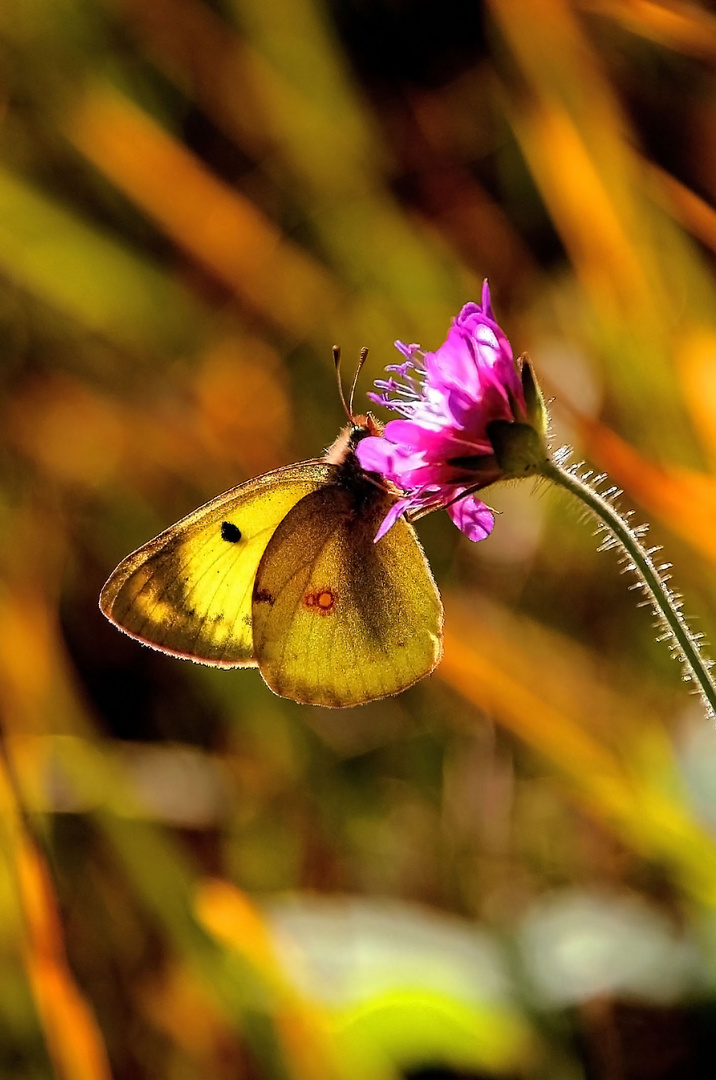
(365, 487)
(359, 427)
(343, 448)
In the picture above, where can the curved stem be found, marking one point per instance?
(666, 604)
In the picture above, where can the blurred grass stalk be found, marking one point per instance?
(72, 1036)
(100, 284)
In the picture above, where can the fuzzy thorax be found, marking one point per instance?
(348, 438)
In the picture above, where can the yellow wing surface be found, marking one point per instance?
(339, 620)
(189, 591)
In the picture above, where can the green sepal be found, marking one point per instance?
(520, 450)
(537, 415)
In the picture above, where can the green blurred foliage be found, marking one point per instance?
(509, 870)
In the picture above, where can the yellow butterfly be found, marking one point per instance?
(282, 573)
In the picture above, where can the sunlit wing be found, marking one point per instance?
(188, 591)
(337, 619)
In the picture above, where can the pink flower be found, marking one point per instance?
(441, 451)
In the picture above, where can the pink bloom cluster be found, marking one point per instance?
(439, 452)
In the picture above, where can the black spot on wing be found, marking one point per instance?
(263, 596)
(230, 532)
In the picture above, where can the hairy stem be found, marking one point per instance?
(667, 605)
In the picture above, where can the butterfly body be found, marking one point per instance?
(282, 573)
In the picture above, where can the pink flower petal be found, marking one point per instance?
(472, 517)
(446, 399)
(391, 517)
(381, 455)
(409, 434)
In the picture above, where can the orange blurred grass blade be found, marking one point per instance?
(682, 499)
(572, 134)
(559, 737)
(450, 195)
(684, 205)
(244, 92)
(234, 84)
(581, 206)
(198, 50)
(228, 914)
(680, 26)
(580, 149)
(207, 420)
(516, 686)
(35, 684)
(179, 1004)
(243, 991)
(72, 1035)
(219, 227)
(295, 110)
(73, 266)
(176, 1003)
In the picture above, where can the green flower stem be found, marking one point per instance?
(666, 604)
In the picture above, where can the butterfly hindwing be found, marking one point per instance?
(338, 619)
(189, 591)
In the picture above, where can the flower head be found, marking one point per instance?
(464, 409)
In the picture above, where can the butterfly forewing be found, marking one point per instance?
(189, 591)
(338, 619)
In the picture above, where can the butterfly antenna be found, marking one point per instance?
(337, 362)
(361, 361)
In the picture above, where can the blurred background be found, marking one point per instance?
(509, 870)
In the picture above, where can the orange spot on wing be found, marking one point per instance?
(322, 601)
